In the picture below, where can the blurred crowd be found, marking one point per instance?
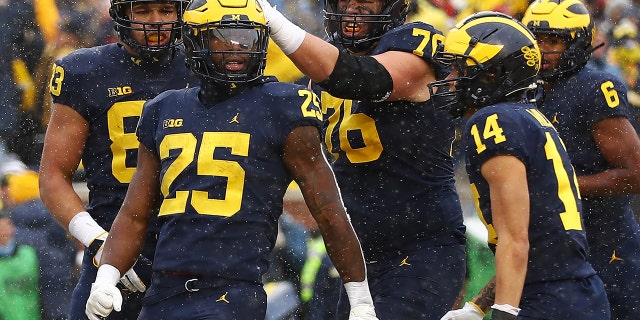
(37, 32)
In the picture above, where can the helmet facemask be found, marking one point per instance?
(473, 85)
(494, 59)
(343, 28)
(231, 51)
(572, 59)
(160, 38)
(570, 21)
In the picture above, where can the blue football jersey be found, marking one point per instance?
(106, 87)
(558, 245)
(573, 106)
(393, 160)
(222, 175)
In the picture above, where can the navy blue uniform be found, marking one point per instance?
(106, 87)
(560, 283)
(223, 182)
(574, 105)
(394, 167)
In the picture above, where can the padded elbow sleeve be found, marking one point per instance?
(358, 78)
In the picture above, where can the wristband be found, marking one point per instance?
(84, 228)
(501, 315)
(284, 33)
(506, 308)
(358, 293)
(108, 274)
(471, 303)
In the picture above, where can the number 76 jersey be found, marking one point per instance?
(558, 245)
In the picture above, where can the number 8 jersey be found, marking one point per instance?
(107, 87)
(558, 245)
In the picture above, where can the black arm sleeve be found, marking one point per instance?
(358, 78)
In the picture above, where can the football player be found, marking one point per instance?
(589, 109)
(392, 152)
(526, 189)
(220, 157)
(98, 95)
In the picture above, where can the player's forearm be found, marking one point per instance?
(511, 267)
(486, 297)
(344, 249)
(616, 181)
(60, 198)
(343, 246)
(315, 58)
(125, 241)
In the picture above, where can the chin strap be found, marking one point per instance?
(212, 92)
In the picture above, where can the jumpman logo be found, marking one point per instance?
(235, 118)
(555, 118)
(223, 298)
(404, 262)
(614, 257)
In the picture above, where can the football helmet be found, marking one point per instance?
(393, 14)
(496, 59)
(569, 19)
(217, 32)
(125, 23)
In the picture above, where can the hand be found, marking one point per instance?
(104, 298)
(283, 32)
(267, 10)
(139, 276)
(468, 312)
(363, 312)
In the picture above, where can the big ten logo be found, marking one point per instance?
(172, 123)
(120, 91)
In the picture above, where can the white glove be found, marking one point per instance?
(363, 312)
(132, 281)
(139, 276)
(468, 312)
(284, 33)
(104, 297)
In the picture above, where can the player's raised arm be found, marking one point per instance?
(399, 75)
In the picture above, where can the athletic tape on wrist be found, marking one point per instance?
(285, 33)
(108, 274)
(506, 308)
(84, 228)
(358, 293)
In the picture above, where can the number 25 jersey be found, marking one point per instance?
(222, 175)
